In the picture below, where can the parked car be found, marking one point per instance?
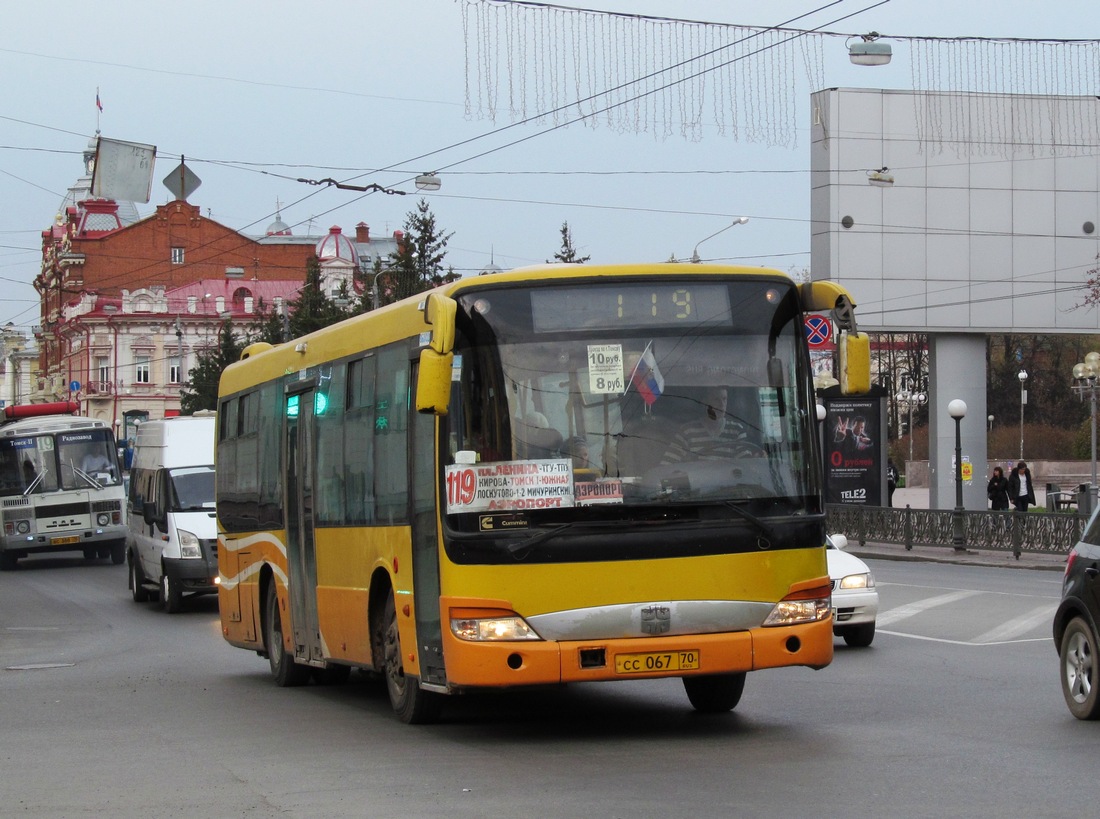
(855, 598)
(1075, 634)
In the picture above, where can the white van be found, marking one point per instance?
(173, 540)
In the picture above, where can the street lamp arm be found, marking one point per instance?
(740, 220)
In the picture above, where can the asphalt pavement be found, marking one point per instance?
(917, 498)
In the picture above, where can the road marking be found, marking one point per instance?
(912, 609)
(1018, 625)
(38, 666)
(964, 642)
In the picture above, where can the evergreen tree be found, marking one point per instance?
(568, 253)
(312, 310)
(417, 265)
(201, 391)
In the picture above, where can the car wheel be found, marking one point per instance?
(139, 592)
(859, 636)
(1080, 681)
(410, 702)
(171, 595)
(715, 693)
(287, 673)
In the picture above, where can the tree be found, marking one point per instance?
(312, 310)
(201, 391)
(417, 265)
(568, 254)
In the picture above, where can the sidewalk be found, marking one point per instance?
(917, 498)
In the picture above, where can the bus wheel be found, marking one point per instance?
(171, 595)
(118, 552)
(8, 561)
(287, 673)
(410, 702)
(715, 693)
(139, 592)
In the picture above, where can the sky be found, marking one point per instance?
(256, 96)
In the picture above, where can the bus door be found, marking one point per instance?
(423, 479)
(301, 557)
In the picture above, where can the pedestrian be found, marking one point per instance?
(891, 480)
(997, 489)
(1021, 488)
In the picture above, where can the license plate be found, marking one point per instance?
(657, 661)
(62, 541)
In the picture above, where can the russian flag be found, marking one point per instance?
(98, 104)
(647, 378)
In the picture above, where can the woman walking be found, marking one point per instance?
(997, 489)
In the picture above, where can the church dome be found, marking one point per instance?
(337, 246)
(278, 228)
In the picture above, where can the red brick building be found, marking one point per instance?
(127, 306)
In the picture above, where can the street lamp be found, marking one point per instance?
(740, 220)
(1085, 376)
(1022, 375)
(957, 410)
(911, 395)
(990, 420)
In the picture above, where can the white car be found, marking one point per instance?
(855, 598)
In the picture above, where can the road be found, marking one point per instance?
(114, 708)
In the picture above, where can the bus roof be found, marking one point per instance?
(50, 423)
(405, 318)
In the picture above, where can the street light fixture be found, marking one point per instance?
(911, 395)
(740, 220)
(957, 410)
(1022, 375)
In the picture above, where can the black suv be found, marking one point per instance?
(1075, 625)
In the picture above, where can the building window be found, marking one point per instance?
(174, 374)
(103, 368)
(141, 370)
(177, 255)
(234, 272)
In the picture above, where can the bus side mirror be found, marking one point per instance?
(433, 381)
(440, 312)
(855, 363)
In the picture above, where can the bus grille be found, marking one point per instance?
(17, 503)
(61, 510)
(106, 506)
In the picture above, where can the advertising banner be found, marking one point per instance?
(854, 458)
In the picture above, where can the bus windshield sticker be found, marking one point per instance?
(605, 369)
(589, 493)
(509, 486)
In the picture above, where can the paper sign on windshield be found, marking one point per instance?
(509, 486)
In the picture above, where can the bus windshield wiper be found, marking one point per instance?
(80, 473)
(37, 480)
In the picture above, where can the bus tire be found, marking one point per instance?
(715, 693)
(137, 588)
(171, 595)
(8, 561)
(286, 672)
(412, 704)
(118, 552)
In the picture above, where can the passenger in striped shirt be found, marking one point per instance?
(715, 436)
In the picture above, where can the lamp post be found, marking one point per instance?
(740, 220)
(957, 410)
(990, 420)
(911, 395)
(1085, 376)
(1022, 375)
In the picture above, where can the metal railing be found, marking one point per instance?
(1035, 532)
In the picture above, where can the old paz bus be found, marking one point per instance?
(549, 475)
(60, 485)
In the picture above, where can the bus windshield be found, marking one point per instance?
(35, 464)
(640, 394)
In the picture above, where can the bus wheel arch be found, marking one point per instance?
(412, 704)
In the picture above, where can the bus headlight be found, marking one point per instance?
(103, 519)
(804, 606)
(483, 629)
(22, 526)
(189, 544)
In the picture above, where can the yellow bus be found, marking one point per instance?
(555, 474)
